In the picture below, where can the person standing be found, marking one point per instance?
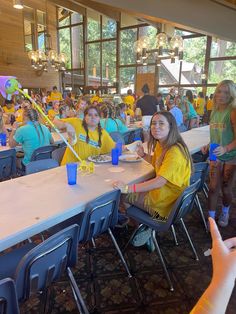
(55, 95)
(160, 102)
(223, 133)
(209, 107)
(148, 103)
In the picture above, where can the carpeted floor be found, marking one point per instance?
(107, 289)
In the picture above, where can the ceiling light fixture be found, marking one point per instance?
(18, 4)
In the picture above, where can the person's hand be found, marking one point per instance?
(15, 125)
(120, 185)
(220, 150)
(140, 150)
(223, 254)
(205, 149)
(71, 134)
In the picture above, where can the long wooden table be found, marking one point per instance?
(33, 203)
(56, 137)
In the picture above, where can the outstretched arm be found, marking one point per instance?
(216, 297)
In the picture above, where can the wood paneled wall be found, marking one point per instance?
(14, 60)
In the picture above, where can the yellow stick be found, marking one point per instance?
(50, 122)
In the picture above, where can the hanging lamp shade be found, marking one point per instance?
(18, 4)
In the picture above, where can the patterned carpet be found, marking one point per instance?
(107, 289)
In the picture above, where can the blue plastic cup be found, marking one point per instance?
(212, 156)
(3, 139)
(119, 147)
(71, 173)
(115, 156)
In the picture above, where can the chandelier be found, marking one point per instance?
(165, 48)
(48, 58)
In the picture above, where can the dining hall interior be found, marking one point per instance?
(117, 143)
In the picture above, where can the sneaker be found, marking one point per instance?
(150, 245)
(123, 221)
(223, 220)
(141, 236)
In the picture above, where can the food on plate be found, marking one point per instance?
(100, 158)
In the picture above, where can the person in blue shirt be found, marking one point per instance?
(31, 135)
(178, 115)
(109, 122)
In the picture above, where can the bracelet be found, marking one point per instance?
(125, 189)
(134, 188)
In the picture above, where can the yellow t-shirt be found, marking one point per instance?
(176, 170)
(19, 115)
(83, 149)
(97, 99)
(200, 104)
(129, 101)
(56, 96)
(129, 112)
(8, 110)
(52, 114)
(209, 104)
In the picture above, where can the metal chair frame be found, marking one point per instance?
(182, 206)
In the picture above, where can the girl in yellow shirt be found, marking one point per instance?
(172, 164)
(88, 136)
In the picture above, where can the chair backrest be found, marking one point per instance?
(58, 154)
(117, 136)
(200, 172)
(43, 152)
(8, 298)
(7, 164)
(100, 214)
(184, 204)
(46, 262)
(40, 165)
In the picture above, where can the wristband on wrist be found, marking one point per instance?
(125, 189)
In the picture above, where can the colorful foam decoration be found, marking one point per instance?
(9, 86)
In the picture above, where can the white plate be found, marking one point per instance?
(100, 159)
(130, 158)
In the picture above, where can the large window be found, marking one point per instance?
(34, 29)
(71, 42)
(102, 50)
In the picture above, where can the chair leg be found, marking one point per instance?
(76, 292)
(119, 252)
(205, 190)
(174, 235)
(197, 202)
(153, 235)
(189, 239)
(93, 243)
(132, 236)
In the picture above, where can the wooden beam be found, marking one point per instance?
(72, 6)
(101, 8)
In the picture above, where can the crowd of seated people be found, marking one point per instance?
(113, 117)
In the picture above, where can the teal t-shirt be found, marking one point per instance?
(30, 139)
(113, 125)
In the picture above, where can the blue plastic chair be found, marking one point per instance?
(200, 172)
(182, 207)
(43, 152)
(117, 136)
(35, 267)
(7, 164)
(8, 299)
(40, 165)
(101, 215)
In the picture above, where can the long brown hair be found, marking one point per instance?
(33, 116)
(99, 128)
(173, 139)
